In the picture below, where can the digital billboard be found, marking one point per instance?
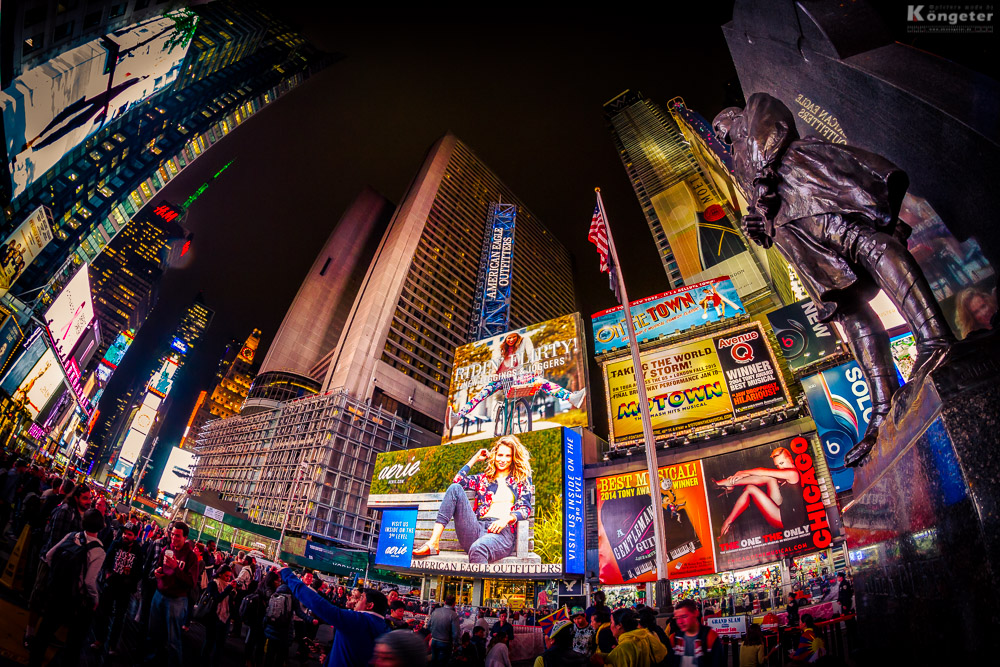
(626, 548)
(530, 378)
(164, 379)
(702, 382)
(177, 471)
(34, 349)
(117, 349)
(39, 384)
(130, 452)
(146, 415)
(22, 246)
(86, 348)
(667, 313)
(452, 494)
(70, 313)
(802, 338)
(50, 109)
(770, 502)
(10, 340)
(841, 406)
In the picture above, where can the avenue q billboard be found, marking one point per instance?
(455, 486)
(667, 313)
(535, 373)
(741, 509)
(705, 381)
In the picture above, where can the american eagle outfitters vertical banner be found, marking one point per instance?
(626, 546)
(770, 502)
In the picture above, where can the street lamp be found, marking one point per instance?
(302, 468)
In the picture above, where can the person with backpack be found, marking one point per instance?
(213, 611)
(66, 518)
(121, 572)
(694, 643)
(282, 606)
(73, 566)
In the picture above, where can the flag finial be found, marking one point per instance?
(597, 189)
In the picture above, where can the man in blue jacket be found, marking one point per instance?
(357, 628)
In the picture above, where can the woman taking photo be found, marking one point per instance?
(504, 495)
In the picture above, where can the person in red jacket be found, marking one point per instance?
(175, 570)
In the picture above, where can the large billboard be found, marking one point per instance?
(117, 349)
(52, 108)
(22, 246)
(841, 406)
(177, 471)
(34, 348)
(740, 509)
(462, 489)
(770, 502)
(161, 382)
(39, 384)
(10, 339)
(129, 454)
(146, 415)
(527, 379)
(667, 313)
(702, 382)
(802, 338)
(626, 548)
(70, 313)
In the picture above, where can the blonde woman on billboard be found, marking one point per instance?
(775, 492)
(514, 351)
(504, 496)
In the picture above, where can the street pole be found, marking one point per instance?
(663, 601)
(288, 505)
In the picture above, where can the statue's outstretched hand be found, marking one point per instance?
(755, 227)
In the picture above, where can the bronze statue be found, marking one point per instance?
(832, 211)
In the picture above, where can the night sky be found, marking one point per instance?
(525, 94)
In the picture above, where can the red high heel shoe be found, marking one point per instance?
(425, 550)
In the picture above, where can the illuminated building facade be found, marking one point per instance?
(386, 377)
(685, 195)
(98, 187)
(127, 274)
(232, 384)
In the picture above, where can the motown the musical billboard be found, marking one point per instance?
(703, 382)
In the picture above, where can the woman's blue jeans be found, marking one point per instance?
(473, 534)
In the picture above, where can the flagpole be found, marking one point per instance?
(656, 497)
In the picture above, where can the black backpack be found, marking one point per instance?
(251, 608)
(205, 608)
(68, 566)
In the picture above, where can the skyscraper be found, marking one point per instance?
(685, 201)
(387, 376)
(127, 274)
(297, 360)
(231, 388)
(414, 307)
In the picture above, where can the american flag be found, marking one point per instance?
(599, 237)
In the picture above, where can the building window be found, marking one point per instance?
(63, 31)
(33, 16)
(32, 44)
(117, 10)
(91, 19)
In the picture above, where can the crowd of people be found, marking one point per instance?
(89, 568)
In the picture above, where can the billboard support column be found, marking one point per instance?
(663, 601)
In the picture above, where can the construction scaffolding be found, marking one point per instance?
(254, 460)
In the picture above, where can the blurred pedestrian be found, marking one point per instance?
(221, 592)
(497, 654)
(399, 648)
(559, 646)
(120, 574)
(445, 627)
(175, 571)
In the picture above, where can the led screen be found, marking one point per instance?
(52, 108)
(70, 313)
(40, 384)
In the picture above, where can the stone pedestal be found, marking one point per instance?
(923, 526)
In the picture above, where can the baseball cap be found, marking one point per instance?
(577, 611)
(559, 627)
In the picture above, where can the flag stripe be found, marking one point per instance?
(599, 237)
